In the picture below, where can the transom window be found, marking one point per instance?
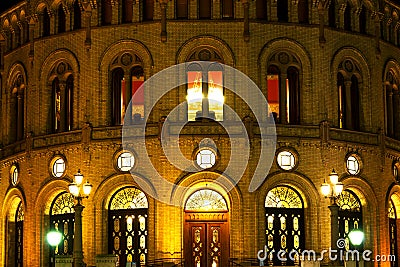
(284, 225)
(353, 164)
(128, 226)
(206, 200)
(205, 158)
(14, 175)
(58, 168)
(286, 160)
(125, 161)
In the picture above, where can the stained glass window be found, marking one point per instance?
(283, 197)
(206, 200)
(58, 167)
(286, 160)
(62, 217)
(284, 228)
(125, 161)
(129, 198)
(127, 228)
(350, 215)
(205, 158)
(353, 165)
(393, 232)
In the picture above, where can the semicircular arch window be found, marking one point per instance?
(206, 200)
(284, 222)
(128, 226)
(62, 216)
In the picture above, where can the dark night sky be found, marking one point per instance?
(5, 4)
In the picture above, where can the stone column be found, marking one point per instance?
(334, 208)
(78, 253)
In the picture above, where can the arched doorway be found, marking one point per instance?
(62, 218)
(128, 226)
(15, 234)
(393, 232)
(206, 230)
(284, 215)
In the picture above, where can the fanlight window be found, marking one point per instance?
(283, 197)
(63, 204)
(129, 198)
(348, 201)
(206, 200)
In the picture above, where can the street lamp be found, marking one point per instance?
(79, 191)
(356, 237)
(333, 191)
(54, 238)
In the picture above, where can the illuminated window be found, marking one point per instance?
(284, 217)
(286, 160)
(14, 175)
(396, 171)
(205, 158)
(128, 226)
(127, 78)
(273, 92)
(58, 167)
(206, 200)
(350, 215)
(353, 165)
(392, 231)
(205, 92)
(125, 161)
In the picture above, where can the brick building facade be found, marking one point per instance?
(329, 69)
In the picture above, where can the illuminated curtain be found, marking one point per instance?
(118, 84)
(216, 93)
(194, 91)
(137, 96)
(56, 103)
(273, 92)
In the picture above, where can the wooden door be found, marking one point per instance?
(206, 244)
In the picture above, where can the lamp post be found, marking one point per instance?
(53, 238)
(333, 191)
(79, 191)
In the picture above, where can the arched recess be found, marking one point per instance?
(291, 47)
(102, 198)
(16, 101)
(364, 84)
(311, 202)
(132, 47)
(228, 57)
(392, 224)
(13, 210)
(365, 193)
(224, 186)
(391, 79)
(44, 198)
(61, 64)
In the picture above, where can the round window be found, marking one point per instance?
(286, 160)
(125, 161)
(205, 158)
(58, 168)
(14, 175)
(353, 164)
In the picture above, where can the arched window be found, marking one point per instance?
(45, 22)
(15, 234)
(350, 215)
(392, 105)
(332, 14)
(347, 17)
(148, 10)
(283, 88)
(261, 9)
(206, 200)
(127, 78)
(106, 12)
(77, 16)
(62, 216)
(393, 232)
(127, 11)
(62, 103)
(284, 213)
(204, 7)
(227, 9)
(349, 95)
(128, 226)
(61, 19)
(283, 10)
(19, 236)
(181, 9)
(208, 83)
(363, 20)
(302, 11)
(17, 109)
